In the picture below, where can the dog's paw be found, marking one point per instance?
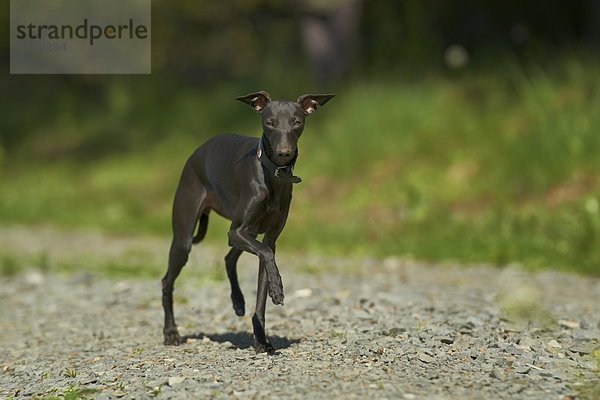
(264, 347)
(276, 294)
(240, 309)
(239, 304)
(172, 338)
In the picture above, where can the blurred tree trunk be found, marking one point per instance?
(329, 30)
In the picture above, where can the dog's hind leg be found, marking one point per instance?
(186, 208)
(237, 297)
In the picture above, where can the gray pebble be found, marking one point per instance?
(582, 347)
(426, 358)
(522, 369)
(499, 373)
(447, 340)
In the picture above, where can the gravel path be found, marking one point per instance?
(380, 330)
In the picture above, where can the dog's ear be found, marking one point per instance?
(309, 102)
(257, 100)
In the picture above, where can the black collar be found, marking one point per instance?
(284, 173)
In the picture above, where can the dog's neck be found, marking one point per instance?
(282, 173)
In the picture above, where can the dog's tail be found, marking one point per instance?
(202, 227)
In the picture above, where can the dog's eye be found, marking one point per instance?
(297, 122)
(270, 123)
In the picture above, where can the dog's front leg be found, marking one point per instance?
(242, 240)
(261, 344)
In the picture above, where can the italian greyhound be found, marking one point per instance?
(248, 181)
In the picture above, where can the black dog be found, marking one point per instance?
(248, 181)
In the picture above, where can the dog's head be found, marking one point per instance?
(283, 122)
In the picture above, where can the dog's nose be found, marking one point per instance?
(285, 154)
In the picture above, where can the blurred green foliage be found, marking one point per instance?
(495, 167)
(493, 159)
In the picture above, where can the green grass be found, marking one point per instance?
(493, 167)
(72, 393)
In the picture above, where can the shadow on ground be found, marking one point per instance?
(243, 340)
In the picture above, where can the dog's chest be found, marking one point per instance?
(273, 212)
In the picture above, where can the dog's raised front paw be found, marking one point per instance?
(276, 294)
